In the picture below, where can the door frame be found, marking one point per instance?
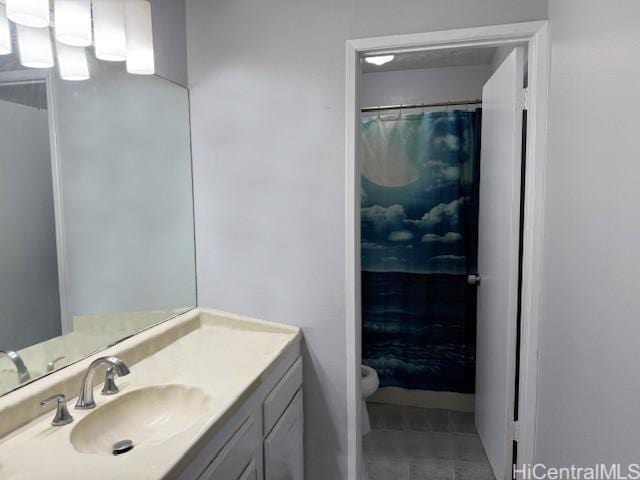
(66, 318)
(536, 37)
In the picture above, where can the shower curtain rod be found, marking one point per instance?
(381, 108)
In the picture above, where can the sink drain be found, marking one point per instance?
(123, 446)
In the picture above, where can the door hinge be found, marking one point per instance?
(515, 431)
(525, 99)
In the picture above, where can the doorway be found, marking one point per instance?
(499, 428)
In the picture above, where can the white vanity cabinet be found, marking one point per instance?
(263, 438)
(283, 457)
(237, 456)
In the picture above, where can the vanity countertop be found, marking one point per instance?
(224, 355)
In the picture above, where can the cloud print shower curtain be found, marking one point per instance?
(419, 219)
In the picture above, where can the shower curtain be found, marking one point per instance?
(419, 224)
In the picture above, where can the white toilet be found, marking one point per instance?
(369, 383)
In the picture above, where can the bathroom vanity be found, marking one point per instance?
(209, 396)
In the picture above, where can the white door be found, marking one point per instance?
(498, 251)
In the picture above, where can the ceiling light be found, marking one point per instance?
(73, 22)
(137, 19)
(379, 60)
(34, 45)
(108, 30)
(30, 13)
(5, 32)
(72, 62)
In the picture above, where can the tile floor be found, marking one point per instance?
(409, 443)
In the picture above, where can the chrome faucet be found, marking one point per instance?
(85, 399)
(23, 373)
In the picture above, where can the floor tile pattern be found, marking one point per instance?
(410, 443)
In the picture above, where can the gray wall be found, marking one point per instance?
(589, 372)
(268, 126)
(124, 149)
(29, 297)
(170, 39)
(444, 84)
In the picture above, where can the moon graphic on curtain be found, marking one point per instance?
(384, 158)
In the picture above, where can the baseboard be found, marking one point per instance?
(461, 402)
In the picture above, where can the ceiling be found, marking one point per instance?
(447, 57)
(29, 94)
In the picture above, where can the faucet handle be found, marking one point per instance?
(51, 366)
(110, 387)
(62, 417)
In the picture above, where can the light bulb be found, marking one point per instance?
(5, 32)
(137, 17)
(30, 13)
(72, 62)
(380, 59)
(108, 30)
(34, 45)
(73, 22)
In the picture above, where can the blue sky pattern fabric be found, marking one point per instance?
(419, 234)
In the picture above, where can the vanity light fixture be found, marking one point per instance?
(379, 59)
(108, 30)
(119, 30)
(34, 45)
(73, 22)
(30, 13)
(72, 62)
(140, 57)
(5, 32)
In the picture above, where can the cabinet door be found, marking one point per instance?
(250, 473)
(283, 448)
(241, 450)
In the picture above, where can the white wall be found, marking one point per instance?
(124, 151)
(427, 85)
(590, 373)
(29, 297)
(268, 123)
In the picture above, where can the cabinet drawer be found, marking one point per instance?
(281, 395)
(234, 457)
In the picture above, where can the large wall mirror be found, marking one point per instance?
(96, 212)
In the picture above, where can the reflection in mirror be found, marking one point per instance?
(28, 259)
(96, 212)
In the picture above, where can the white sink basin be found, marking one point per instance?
(147, 417)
